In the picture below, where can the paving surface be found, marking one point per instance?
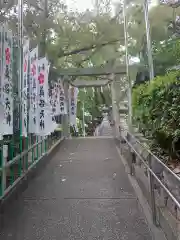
(104, 129)
(83, 193)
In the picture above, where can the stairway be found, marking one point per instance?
(104, 129)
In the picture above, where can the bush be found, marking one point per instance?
(156, 110)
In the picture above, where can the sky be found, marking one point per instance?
(80, 5)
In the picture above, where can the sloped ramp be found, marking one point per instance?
(104, 129)
(83, 193)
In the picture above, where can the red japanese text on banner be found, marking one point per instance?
(1, 83)
(43, 106)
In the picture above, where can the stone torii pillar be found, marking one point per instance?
(66, 124)
(115, 111)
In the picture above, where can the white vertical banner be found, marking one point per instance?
(73, 94)
(43, 99)
(62, 103)
(1, 61)
(1, 87)
(50, 94)
(50, 118)
(51, 121)
(24, 86)
(56, 99)
(6, 81)
(33, 90)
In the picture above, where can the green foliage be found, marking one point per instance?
(166, 55)
(157, 111)
(166, 48)
(93, 103)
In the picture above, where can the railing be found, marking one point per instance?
(14, 166)
(159, 184)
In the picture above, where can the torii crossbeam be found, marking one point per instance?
(89, 83)
(97, 71)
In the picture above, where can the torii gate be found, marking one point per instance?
(113, 76)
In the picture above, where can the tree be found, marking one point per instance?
(165, 43)
(166, 55)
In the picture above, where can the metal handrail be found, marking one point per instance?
(156, 158)
(154, 175)
(21, 155)
(15, 159)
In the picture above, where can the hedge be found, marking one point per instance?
(156, 110)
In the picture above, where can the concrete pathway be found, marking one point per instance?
(104, 129)
(83, 193)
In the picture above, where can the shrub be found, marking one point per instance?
(156, 109)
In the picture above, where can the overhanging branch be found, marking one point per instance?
(87, 48)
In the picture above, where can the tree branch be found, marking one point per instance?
(87, 48)
(88, 57)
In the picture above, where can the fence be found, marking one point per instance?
(18, 153)
(160, 185)
(15, 164)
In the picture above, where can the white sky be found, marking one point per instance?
(80, 5)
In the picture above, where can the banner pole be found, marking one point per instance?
(20, 36)
(127, 67)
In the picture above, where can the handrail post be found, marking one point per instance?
(131, 154)
(133, 161)
(152, 192)
(120, 137)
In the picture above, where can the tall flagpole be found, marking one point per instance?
(20, 38)
(127, 67)
(148, 38)
(20, 46)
